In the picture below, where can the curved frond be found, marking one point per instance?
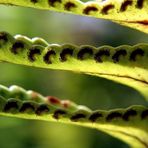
(129, 125)
(124, 64)
(132, 13)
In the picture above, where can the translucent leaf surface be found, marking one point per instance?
(124, 64)
(129, 125)
(131, 13)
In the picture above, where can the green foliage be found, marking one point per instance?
(122, 12)
(124, 64)
(128, 124)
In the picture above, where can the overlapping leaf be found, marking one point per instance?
(125, 64)
(128, 124)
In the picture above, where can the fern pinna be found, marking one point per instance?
(124, 64)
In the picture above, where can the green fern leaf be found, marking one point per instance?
(129, 125)
(120, 11)
(124, 64)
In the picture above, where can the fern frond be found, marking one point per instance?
(124, 64)
(129, 125)
(132, 13)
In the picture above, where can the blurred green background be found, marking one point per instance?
(96, 93)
